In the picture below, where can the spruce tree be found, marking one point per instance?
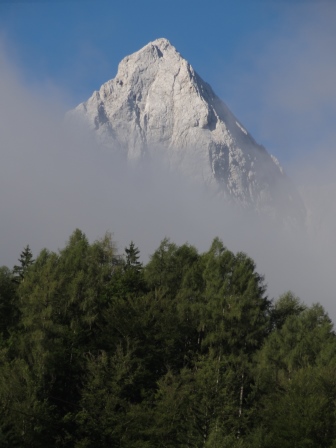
(132, 257)
(26, 260)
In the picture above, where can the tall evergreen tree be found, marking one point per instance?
(26, 260)
(234, 326)
(132, 257)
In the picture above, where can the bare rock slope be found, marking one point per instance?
(157, 102)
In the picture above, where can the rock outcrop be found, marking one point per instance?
(157, 102)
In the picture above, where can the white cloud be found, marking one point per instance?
(54, 179)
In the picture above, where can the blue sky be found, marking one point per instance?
(273, 62)
(78, 43)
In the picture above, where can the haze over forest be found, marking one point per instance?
(146, 311)
(54, 179)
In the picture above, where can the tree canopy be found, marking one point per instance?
(98, 349)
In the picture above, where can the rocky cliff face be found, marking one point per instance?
(158, 103)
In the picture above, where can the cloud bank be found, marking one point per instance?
(54, 178)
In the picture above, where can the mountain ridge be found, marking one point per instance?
(158, 101)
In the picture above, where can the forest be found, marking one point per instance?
(100, 350)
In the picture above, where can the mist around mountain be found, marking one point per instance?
(158, 104)
(189, 348)
(54, 178)
(157, 344)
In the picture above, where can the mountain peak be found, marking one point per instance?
(149, 58)
(162, 43)
(157, 101)
(160, 46)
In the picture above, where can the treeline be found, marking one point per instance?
(97, 350)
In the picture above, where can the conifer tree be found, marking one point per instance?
(26, 260)
(132, 257)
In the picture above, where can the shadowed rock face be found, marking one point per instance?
(158, 103)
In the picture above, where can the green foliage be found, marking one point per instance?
(168, 265)
(132, 258)
(9, 310)
(26, 260)
(187, 351)
(303, 412)
(287, 305)
(297, 378)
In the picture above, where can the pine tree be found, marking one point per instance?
(132, 258)
(26, 260)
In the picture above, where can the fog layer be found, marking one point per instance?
(54, 178)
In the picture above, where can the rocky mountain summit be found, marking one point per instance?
(157, 103)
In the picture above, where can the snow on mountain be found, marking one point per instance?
(158, 103)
